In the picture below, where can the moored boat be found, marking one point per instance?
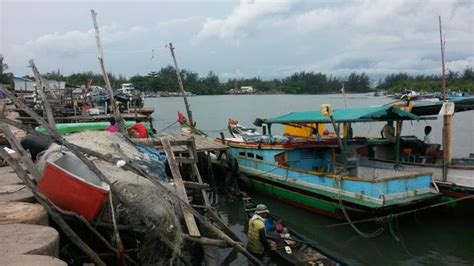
(316, 173)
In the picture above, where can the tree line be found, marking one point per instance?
(455, 81)
(298, 83)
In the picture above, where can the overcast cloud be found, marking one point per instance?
(240, 38)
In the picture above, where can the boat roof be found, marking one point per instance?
(365, 114)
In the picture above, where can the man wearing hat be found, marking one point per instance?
(257, 241)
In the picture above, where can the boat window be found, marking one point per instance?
(259, 157)
(242, 153)
(250, 155)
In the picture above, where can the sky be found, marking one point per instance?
(246, 38)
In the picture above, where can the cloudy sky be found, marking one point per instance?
(239, 38)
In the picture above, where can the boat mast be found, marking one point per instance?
(446, 117)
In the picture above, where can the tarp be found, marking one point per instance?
(366, 114)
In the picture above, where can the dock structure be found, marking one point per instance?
(183, 152)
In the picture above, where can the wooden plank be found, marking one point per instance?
(180, 190)
(184, 160)
(195, 185)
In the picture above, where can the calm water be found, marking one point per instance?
(439, 237)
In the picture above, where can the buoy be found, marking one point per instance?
(22, 213)
(28, 239)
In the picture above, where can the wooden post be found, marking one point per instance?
(40, 82)
(398, 130)
(40, 88)
(181, 87)
(115, 110)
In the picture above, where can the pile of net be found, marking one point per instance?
(147, 204)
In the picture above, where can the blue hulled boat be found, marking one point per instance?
(312, 169)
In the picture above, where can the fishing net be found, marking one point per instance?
(147, 205)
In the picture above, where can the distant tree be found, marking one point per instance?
(468, 74)
(5, 77)
(357, 83)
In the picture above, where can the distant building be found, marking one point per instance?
(242, 90)
(23, 85)
(246, 89)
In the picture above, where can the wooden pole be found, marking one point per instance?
(181, 87)
(446, 118)
(343, 91)
(113, 106)
(398, 130)
(40, 79)
(40, 87)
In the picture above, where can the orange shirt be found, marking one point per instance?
(141, 129)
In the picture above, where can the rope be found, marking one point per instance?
(172, 124)
(214, 130)
(401, 213)
(362, 234)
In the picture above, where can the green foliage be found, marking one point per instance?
(5, 78)
(455, 81)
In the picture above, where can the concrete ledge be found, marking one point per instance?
(24, 260)
(22, 213)
(20, 192)
(28, 239)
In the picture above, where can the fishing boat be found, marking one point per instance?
(293, 248)
(454, 177)
(317, 173)
(72, 186)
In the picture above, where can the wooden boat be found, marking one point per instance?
(69, 184)
(315, 173)
(295, 251)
